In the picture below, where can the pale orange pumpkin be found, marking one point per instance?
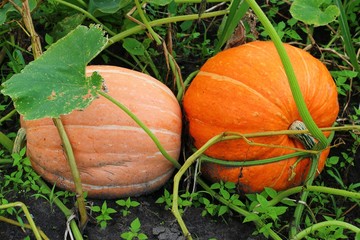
(245, 89)
(116, 158)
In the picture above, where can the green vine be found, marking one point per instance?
(143, 126)
(27, 215)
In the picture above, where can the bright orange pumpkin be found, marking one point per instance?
(116, 158)
(245, 90)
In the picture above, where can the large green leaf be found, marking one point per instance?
(316, 12)
(55, 83)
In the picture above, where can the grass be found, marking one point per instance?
(176, 31)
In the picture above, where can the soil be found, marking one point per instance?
(156, 222)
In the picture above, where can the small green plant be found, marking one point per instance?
(134, 232)
(185, 200)
(228, 191)
(53, 194)
(49, 196)
(166, 199)
(104, 213)
(261, 209)
(127, 204)
(24, 177)
(344, 80)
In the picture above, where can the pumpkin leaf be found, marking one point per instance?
(55, 83)
(105, 7)
(316, 12)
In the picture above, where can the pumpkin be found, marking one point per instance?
(115, 157)
(245, 89)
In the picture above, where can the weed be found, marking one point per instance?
(344, 80)
(51, 195)
(185, 200)
(127, 204)
(104, 213)
(261, 208)
(166, 199)
(134, 232)
(228, 191)
(24, 177)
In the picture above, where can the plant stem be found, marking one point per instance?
(321, 189)
(242, 163)
(8, 116)
(37, 51)
(180, 173)
(349, 47)
(317, 226)
(82, 3)
(301, 106)
(35, 39)
(177, 178)
(176, 72)
(16, 223)
(294, 85)
(143, 126)
(27, 215)
(146, 23)
(162, 21)
(74, 171)
(181, 91)
(67, 212)
(6, 142)
(87, 14)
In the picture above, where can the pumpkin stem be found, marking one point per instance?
(305, 138)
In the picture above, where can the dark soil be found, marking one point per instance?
(156, 222)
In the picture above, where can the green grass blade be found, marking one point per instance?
(6, 142)
(349, 47)
(237, 11)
